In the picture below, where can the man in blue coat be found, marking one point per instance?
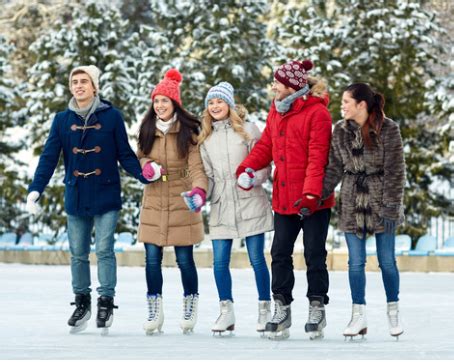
(92, 135)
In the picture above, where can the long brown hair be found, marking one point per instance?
(189, 126)
(375, 109)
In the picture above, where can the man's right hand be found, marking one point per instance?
(32, 205)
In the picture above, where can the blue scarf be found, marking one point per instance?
(284, 105)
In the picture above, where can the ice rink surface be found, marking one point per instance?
(34, 308)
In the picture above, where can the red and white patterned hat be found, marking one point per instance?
(294, 74)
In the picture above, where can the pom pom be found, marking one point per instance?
(174, 74)
(307, 64)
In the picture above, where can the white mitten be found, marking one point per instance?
(32, 205)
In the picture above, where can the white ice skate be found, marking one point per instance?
(189, 319)
(394, 320)
(155, 315)
(358, 322)
(226, 319)
(278, 327)
(264, 316)
(317, 319)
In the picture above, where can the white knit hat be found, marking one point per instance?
(224, 91)
(92, 70)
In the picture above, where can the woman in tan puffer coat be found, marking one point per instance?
(170, 212)
(225, 140)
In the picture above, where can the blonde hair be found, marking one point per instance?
(319, 87)
(237, 116)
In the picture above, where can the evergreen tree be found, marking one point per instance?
(392, 45)
(12, 191)
(310, 31)
(86, 38)
(226, 43)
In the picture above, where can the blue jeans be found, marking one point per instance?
(79, 236)
(386, 261)
(153, 269)
(221, 255)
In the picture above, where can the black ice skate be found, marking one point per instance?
(278, 327)
(82, 313)
(317, 319)
(104, 318)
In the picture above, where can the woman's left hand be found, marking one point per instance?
(194, 199)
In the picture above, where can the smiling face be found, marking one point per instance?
(218, 109)
(163, 107)
(352, 109)
(82, 88)
(280, 90)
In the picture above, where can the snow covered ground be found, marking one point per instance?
(34, 307)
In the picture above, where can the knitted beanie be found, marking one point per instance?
(92, 71)
(224, 91)
(169, 86)
(294, 73)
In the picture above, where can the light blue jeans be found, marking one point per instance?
(386, 261)
(79, 236)
(221, 255)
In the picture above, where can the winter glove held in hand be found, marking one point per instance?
(152, 171)
(194, 199)
(246, 179)
(32, 205)
(307, 205)
(390, 226)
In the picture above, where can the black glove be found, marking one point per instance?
(390, 226)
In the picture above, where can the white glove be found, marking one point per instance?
(32, 206)
(246, 180)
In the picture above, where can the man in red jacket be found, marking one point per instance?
(297, 138)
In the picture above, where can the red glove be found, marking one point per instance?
(307, 205)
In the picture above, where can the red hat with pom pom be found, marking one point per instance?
(294, 73)
(169, 86)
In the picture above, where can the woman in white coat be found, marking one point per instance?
(225, 140)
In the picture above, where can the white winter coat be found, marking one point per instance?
(235, 213)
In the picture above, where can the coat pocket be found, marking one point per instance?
(253, 207)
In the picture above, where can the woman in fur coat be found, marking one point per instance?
(225, 140)
(367, 156)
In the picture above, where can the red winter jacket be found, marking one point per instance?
(298, 142)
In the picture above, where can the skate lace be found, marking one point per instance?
(103, 311)
(393, 318)
(153, 308)
(79, 312)
(315, 315)
(279, 314)
(188, 307)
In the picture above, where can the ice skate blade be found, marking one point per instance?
(396, 336)
(223, 334)
(279, 336)
(316, 335)
(153, 332)
(188, 331)
(78, 329)
(104, 331)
